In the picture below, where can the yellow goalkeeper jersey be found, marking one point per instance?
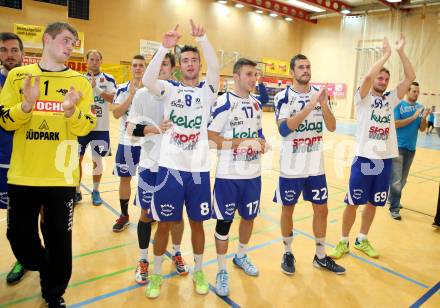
(45, 146)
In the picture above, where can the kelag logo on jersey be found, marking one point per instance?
(380, 119)
(312, 126)
(245, 134)
(185, 122)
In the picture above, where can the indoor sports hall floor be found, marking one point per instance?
(408, 266)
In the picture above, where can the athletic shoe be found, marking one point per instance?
(340, 250)
(17, 272)
(436, 225)
(245, 264)
(153, 287)
(222, 283)
(288, 264)
(396, 215)
(366, 248)
(199, 279)
(121, 223)
(328, 264)
(96, 198)
(57, 303)
(181, 267)
(77, 198)
(141, 273)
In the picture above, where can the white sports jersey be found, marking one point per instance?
(121, 96)
(147, 109)
(185, 146)
(301, 152)
(436, 119)
(237, 117)
(376, 132)
(107, 83)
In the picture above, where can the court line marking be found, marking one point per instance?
(390, 271)
(426, 296)
(108, 206)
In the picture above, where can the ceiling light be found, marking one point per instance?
(239, 5)
(259, 11)
(306, 6)
(394, 1)
(273, 15)
(345, 11)
(222, 1)
(288, 18)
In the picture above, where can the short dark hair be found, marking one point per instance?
(296, 58)
(93, 51)
(415, 83)
(8, 36)
(56, 28)
(172, 58)
(384, 69)
(242, 62)
(187, 48)
(139, 57)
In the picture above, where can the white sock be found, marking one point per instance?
(241, 251)
(95, 186)
(320, 248)
(198, 260)
(78, 189)
(176, 248)
(157, 269)
(361, 237)
(144, 254)
(288, 243)
(221, 259)
(344, 239)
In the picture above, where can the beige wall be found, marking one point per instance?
(331, 48)
(115, 27)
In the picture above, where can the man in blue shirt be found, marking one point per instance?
(410, 116)
(430, 127)
(11, 56)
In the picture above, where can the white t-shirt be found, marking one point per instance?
(147, 109)
(121, 96)
(376, 132)
(436, 119)
(107, 83)
(185, 146)
(301, 152)
(237, 117)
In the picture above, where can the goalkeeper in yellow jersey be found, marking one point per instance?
(48, 106)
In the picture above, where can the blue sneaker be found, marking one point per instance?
(222, 283)
(246, 265)
(288, 264)
(96, 198)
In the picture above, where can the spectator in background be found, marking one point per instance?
(410, 117)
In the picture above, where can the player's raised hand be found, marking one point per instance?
(31, 92)
(70, 100)
(171, 38)
(386, 47)
(196, 30)
(318, 97)
(92, 80)
(400, 43)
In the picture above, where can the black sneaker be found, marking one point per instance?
(328, 264)
(121, 223)
(15, 274)
(436, 225)
(57, 303)
(78, 197)
(288, 264)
